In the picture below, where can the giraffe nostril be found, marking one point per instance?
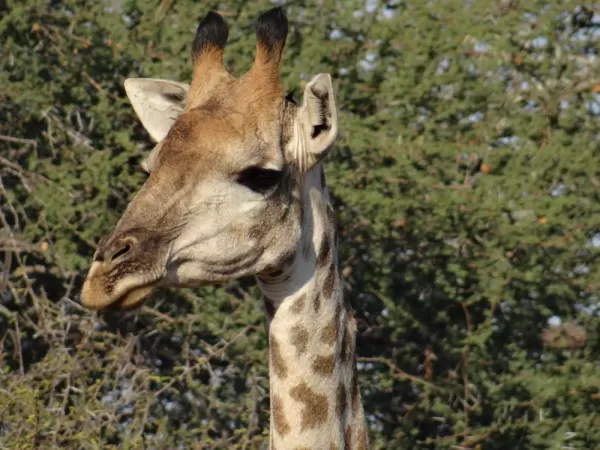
(122, 251)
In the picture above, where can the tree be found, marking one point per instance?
(466, 180)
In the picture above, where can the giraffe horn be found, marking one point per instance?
(271, 33)
(207, 50)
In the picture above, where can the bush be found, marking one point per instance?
(466, 180)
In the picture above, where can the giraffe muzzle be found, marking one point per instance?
(123, 273)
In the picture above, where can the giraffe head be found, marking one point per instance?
(221, 200)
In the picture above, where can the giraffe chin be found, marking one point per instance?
(93, 296)
(132, 300)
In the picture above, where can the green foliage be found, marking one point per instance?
(467, 182)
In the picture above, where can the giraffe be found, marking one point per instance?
(236, 187)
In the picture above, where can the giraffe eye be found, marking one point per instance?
(259, 180)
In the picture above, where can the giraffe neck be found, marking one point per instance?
(315, 400)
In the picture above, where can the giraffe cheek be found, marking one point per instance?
(185, 274)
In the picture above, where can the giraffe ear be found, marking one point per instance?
(157, 103)
(318, 118)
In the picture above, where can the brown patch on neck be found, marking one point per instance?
(329, 282)
(325, 252)
(277, 361)
(317, 302)
(279, 421)
(315, 410)
(346, 350)
(300, 339)
(324, 365)
(330, 333)
(299, 304)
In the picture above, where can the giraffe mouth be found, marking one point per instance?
(94, 298)
(100, 290)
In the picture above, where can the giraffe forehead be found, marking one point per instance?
(212, 138)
